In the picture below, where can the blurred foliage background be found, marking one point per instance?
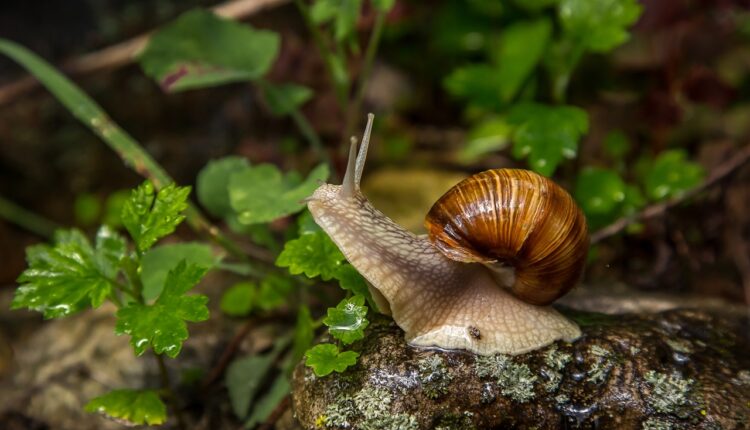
(639, 108)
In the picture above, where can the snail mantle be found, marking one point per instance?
(673, 370)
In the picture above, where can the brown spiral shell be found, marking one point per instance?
(514, 217)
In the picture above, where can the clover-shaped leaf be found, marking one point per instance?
(325, 358)
(313, 254)
(135, 407)
(348, 320)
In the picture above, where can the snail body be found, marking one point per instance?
(434, 287)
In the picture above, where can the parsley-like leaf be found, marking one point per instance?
(546, 134)
(598, 25)
(71, 275)
(313, 254)
(137, 407)
(326, 358)
(162, 325)
(350, 280)
(148, 216)
(261, 193)
(348, 320)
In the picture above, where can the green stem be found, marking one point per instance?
(340, 83)
(310, 135)
(167, 387)
(88, 112)
(372, 49)
(26, 219)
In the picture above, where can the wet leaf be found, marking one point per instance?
(200, 49)
(350, 280)
(598, 25)
(136, 407)
(159, 260)
(599, 191)
(348, 320)
(672, 174)
(70, 275)
(162, 325)
(148, 216)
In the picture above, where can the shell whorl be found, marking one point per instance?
(516, 218)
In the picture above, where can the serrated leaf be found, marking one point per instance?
(672, 174)
(599, 191)
(148, 216)
(306, 223)
(313, 254)
(326, 358)
(546, 134)
(282, 99)
(212, 184)
(238, 300)
(490, 135)
(519, 51)
(348, 320)
(273, 292)
(200, 49)
(136, 407)
(161, 325)
(262, 194)
(598, 25)
(70, 275)
(477, 83)
(350, 280)
(159, 260)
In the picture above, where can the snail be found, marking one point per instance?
(501, 246)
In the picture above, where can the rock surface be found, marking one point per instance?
(677, 369)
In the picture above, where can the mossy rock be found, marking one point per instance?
(679, 369)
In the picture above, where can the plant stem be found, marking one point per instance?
(312, 137)
(167, 387)
(339, 80)
(372, 49)
(27, 219)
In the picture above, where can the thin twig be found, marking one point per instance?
(276, 414)
(123, 53)
(724, 170)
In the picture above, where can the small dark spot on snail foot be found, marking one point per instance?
(474, 332)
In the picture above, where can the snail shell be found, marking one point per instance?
(514, 217)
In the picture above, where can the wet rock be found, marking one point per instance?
(678, 369)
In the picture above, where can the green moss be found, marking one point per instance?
(669, 393)
(601, 366)
(456, 422)
(555, 362)
(391, 422)
(434, 376)
(657, 424)
(515, 380)
(680, 345)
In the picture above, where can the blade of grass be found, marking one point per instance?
(29, 220)
(86, 110)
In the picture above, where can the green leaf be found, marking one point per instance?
(490, 135)
(136, 407)
(159, 260)
(344, 13)
(200, 49)
(238, 300)
(113, 208)
(149, 216)
(519, 51)
(599, 191)
(383, 5)
(243, 378)
(479, 84)
(306, 223)
(273, 292)
(545, 134)
(350, 280)
(304, 334)
(598, 25)
(71, 275)
(162, 324)
(326, 358)
(285, 98)
(262, 194)
(267, 404)
(672, 174)
(616, 144)
(86, 208)
(348, 320)
(313, 254)
(212, 185)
